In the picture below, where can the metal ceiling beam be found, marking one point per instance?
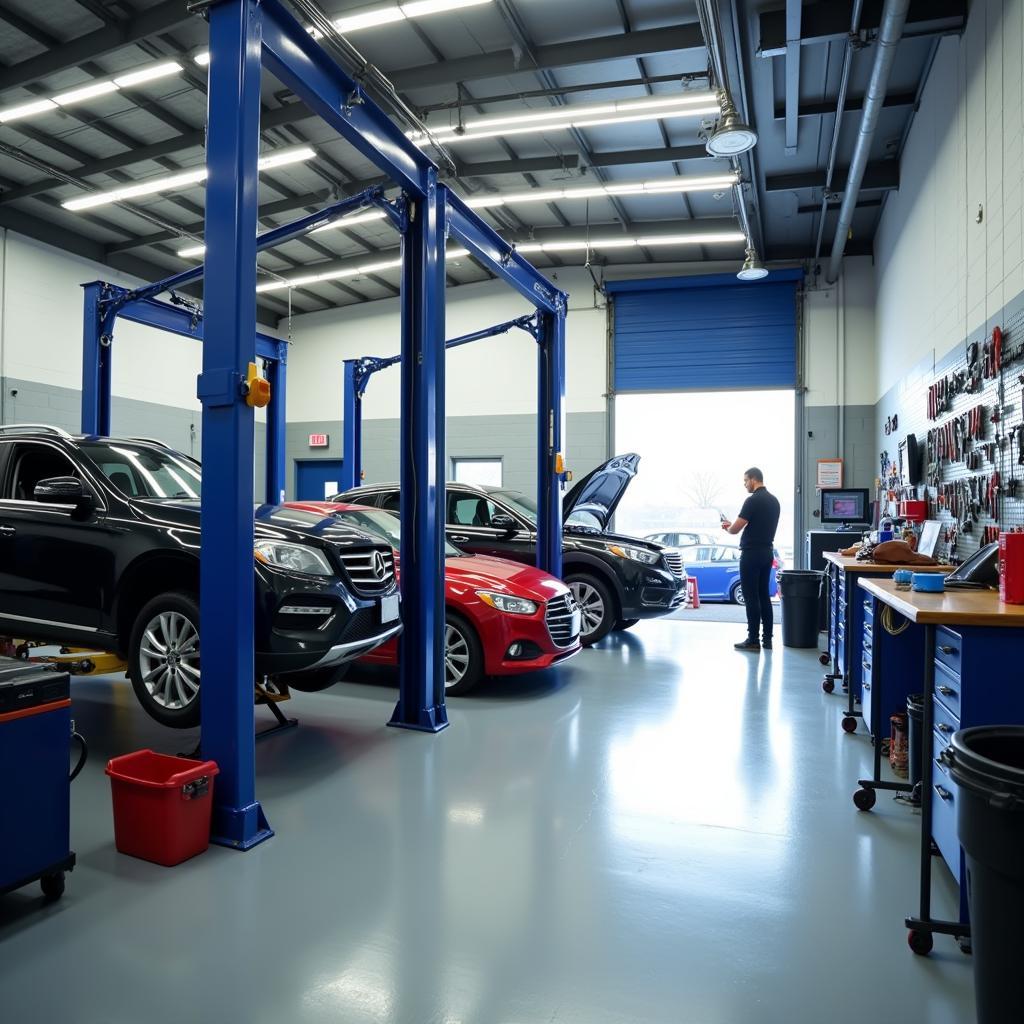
(862, 204)
(793, 12)
(881, 176)
(75, 52)
(60, 237)
(817, 108)
(501, 63)
(785, 253)
(829, 21)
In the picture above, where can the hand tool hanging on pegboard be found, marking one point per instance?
(997, 350)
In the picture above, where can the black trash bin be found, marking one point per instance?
(915, 719)
(801, 591)
(987, 764)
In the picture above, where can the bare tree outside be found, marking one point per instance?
(704, 490)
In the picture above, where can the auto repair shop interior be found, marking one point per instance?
(519, 699)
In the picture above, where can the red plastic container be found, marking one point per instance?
(915, 511)
(1011, 568)
(162, 805)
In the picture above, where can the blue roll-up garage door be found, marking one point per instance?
(706, 333)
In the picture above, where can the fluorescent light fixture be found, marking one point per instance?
(202, 58)
(689, 104)
(401, 12)
(150, 74)
(90, 90)
(525, 248)
(660, 187)
(278, 158)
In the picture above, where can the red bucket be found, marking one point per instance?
(162, 805)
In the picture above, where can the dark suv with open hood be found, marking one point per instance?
(99, 548)
(616, 580)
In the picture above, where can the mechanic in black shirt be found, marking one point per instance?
(758, 520)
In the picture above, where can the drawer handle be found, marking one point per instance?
(867, 645)
(943, 792)
(865, 684)
(942, 727)
(947, 691)
(946, 649)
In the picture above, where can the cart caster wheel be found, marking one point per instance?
(824, 659)
(52, 885)
(864, 799)
(965, 946)
(920, 942)
(828, 685)
(849, 724)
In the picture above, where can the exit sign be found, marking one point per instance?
(319, 440)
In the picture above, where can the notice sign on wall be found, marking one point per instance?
(319, 440)
(830, 473)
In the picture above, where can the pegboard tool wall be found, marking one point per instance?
(947, 476)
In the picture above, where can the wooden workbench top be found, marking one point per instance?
(849, 563)
(950, 608)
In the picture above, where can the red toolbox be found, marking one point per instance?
(1011, 568)
(915, 511)
(162, 805)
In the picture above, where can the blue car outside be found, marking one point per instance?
(716, 568)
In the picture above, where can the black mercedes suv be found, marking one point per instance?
(99, 548)
(616, 580)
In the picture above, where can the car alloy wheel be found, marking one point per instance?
(737, 595)
(169, 660)
(456, 656)
(591, 606)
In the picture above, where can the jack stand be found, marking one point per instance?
(282, 722)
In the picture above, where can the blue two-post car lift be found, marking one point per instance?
(246, 35)
(357, 375)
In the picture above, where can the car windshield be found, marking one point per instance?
(526, 507)
(383, 524)
(142, 471)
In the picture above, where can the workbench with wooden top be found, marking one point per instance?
(847, 624)
(971, 675)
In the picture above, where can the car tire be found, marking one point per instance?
(317, 679)
(596, 604)
(625, 624)
(736, 594)
(167, 684)
(463, 656)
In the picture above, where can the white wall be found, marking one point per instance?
(839, 337)
(941, 274)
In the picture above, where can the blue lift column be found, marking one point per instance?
(550, 439)
(277, 374)
(226, 556)
(351, 430)
(96, 354)
(421, 647)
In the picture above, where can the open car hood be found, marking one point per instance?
(601, 490)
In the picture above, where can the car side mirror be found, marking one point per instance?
(63, 490)
(504, 522)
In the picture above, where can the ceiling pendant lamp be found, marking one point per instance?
(753, 269)
(731, 135)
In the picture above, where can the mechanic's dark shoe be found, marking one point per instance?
(766, 644)
(748, 645)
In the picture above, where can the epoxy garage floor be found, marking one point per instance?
(661, 831)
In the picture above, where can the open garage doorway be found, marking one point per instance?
(694, 448)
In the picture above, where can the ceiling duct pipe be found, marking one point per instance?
(894, 16)
(732, 136)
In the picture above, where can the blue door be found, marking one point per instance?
(317, 479)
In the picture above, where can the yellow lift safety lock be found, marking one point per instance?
(257, 394)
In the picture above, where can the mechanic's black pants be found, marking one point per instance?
(755, 578)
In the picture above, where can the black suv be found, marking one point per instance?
(99, 548)
(616, 580)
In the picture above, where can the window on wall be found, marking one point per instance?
(483, 472)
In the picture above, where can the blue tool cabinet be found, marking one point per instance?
(35, 741)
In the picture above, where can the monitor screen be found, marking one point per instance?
(845, 505)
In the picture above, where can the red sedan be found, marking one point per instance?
(501, 618)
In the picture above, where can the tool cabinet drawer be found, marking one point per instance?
(869, 610)
(948, 649)
(945, 722)
(866, 693)
(944, 797)
(947, 690)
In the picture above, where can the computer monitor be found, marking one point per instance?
(845, 505)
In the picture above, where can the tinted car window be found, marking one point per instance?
(469, 510)
(139, 472)
(34, 462)
(389, 501)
